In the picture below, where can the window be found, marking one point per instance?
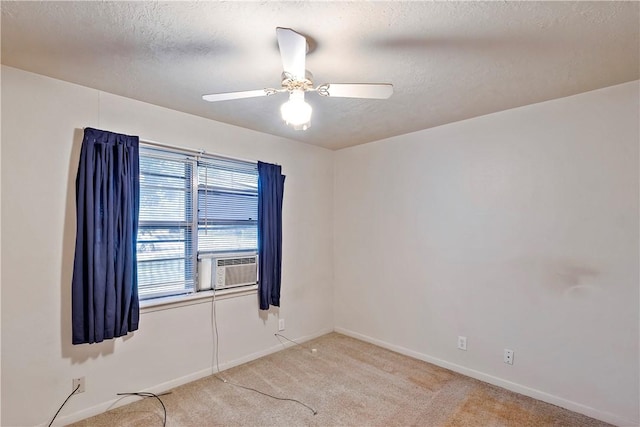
(171, 233)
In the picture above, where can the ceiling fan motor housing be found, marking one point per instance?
(291, 83)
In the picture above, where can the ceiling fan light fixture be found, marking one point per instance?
(296, 80)
(295, 112)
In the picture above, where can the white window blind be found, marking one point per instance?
(165, 226)
(227, 206)
(189, 205)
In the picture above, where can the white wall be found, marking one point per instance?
(517, 230)
(42, 120)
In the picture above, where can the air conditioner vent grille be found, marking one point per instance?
(236, 261)
(236, 271)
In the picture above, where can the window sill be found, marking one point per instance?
(202, 297)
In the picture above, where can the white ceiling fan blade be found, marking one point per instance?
(293, 49)
(357, 90)
(235, 95)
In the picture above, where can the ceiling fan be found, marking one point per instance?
(296, 80)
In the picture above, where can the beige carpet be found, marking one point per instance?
(349, 383)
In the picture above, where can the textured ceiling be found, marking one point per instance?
(448, 61)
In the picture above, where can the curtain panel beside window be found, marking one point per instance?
(104, 286)
(270, 196)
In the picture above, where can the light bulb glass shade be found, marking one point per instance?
(296, 112)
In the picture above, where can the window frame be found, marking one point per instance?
(191, 293)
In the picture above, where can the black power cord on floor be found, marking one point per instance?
(268, 395)
(311, 350)
(214, 325)
(148, 394)
(64, 403)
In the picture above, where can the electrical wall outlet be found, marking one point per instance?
(281, 324)
(462, 343)
(78, 382)
(508, 356)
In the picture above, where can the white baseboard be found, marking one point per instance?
(518, 388)
(168, 385)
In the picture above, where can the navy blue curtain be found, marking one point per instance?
(270, 192)
(105, 279)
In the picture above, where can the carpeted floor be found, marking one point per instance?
(349, 383)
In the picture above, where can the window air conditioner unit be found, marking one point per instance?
(237, 271)
(229, 271)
